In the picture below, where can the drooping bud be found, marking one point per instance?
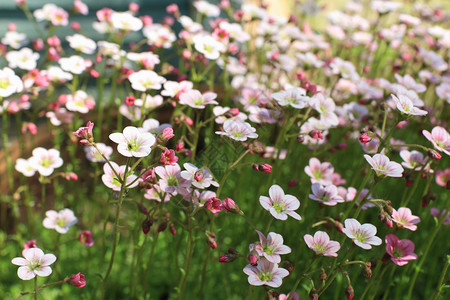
(229, 205)
(172, 229)
(166, 134)
(349, 292)
(287, 265)
(265, 168)
(313, 295)
(386, 219)
(434, 154)
(86, 239)
(322, 276)
(141, 207)
(316, 134)
(211, 239)
(146, 225)
(77, 280)
(367, 270)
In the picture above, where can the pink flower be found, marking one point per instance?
(294, 296)
(85, 133)
(272, 247)
(383, 166)
(295, 97)
(265, 273)
(440, 139)
(166, 134)
(362, 235)
(132, 142)
(229, 205)
(321, 244)
(279, 204)
(214, 205)
(401, 251)
(405, 218)
(85, 238)
(413, 159)
(34, 262)
(110, 179)
(319, 172)
(326, 195)
(171, 181)
(168, 157)
(443, 177)
(77, 280)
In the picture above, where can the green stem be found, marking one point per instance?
(35, 288)
(379, 280)
(9, 167)
(389, 281)
(371, 280)
(441, 279)
(301, 277)
(424, 257)
(336, 269)
(116, 229)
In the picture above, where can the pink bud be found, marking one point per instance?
(179, 146)
(316, 134)
(85, 238)
(32, 128)
(130, 100)
(77, 280)
(365, 138)
(147, 20)
(229, 205)
(252, 259)
(53, 41)
(38, 44)
(75, 26)
(12, 27)
(94, 73)
(30, 244)
(53, 54)
(133, 7)
(167, 134)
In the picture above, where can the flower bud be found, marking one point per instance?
(349, 292)
(146, 225)
(130, 100)
(30, 244)
(167, 134)
(253, 259)
(162, 226)
(77, 280)
(86, 239)
(265, 168)
(172, 229)
(316, 134)
(229, 205)
(367, 270)
(365, 138)
(385, 218)
(287, 265)
(322, 276)
(211, 239)
(434, 154)
(313, 295)
(141, 207)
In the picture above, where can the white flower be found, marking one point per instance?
(80, 102)
(208, 46)
(34, 262)
(159, 35)
(52, 13)
(132, 142)
(265, 273)
(25, 59)
(145, 80)
(81, 43)
(74, 64)
(200, 178)
(239, 131)
(45, 161)
(60, 221)
(362, 235)
(10, 83)
(56, 74)
(23, 166)
(383, 166)
(406, 106)
(208, 9)
(294, 97)
(14, 39)
(195, 99)
(94, 155)
(125, 21)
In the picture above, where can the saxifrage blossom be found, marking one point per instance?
(34, 262)
(322, 244)
(401, 251)
(362, 235)
(133, 142)
(279, 204)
